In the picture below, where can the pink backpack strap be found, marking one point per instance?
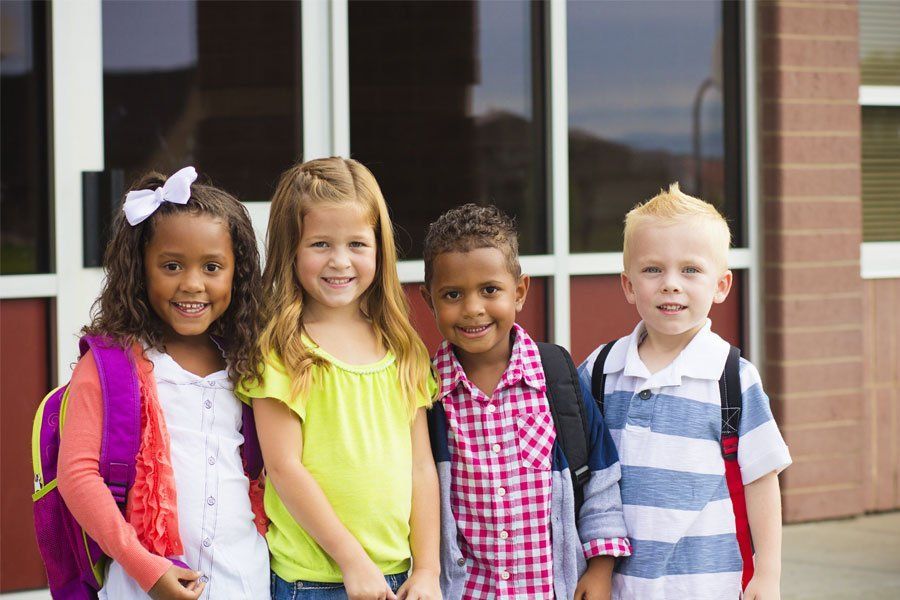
(121, 434)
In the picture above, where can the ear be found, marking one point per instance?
(628, 288)
(426, 296)
(723, 286)
(522, 291)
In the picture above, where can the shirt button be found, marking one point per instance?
(211, 383)
(211, 460)
(501, 492)
(208, 404)
(207, 542)
(496, 448)
(645, 394)
(460, 561)
(504, 534)
(504, 575)
(491, 408)
(204, 579)
(211, 501)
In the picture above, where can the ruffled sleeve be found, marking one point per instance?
(274, 383)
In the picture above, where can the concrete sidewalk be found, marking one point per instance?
(831, 560)
(847, 559)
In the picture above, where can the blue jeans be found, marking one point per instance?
(313, 590)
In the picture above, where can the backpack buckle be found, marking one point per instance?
(582, 475)
(730, 447)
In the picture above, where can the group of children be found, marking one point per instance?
(389, 475)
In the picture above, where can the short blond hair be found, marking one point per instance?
(674, 206)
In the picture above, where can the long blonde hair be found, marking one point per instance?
(335, 181)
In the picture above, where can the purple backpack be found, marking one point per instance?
(74, 562)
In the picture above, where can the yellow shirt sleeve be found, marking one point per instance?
(274, 383)
(431, 388)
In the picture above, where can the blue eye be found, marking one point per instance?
(358, 244)
(319, 245)
(651, 270)
(692, 270)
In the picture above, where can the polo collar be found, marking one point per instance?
(524, 365)
(703, 358)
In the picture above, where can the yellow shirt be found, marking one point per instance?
(357, 445)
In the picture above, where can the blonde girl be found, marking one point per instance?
(351, 488)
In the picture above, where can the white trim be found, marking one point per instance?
(317, 100)
(27, 286)
(879, 95)
(77, 117)
(560, 303)
(340, 78)
(751, 258)
(879, 260)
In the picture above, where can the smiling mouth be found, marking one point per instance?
(672, 308)
(338, 281)
(475, 330)
(191, 309)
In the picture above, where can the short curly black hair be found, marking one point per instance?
(471, 226)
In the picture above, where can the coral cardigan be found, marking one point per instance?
(148, 532)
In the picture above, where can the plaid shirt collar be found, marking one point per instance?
(524, 365)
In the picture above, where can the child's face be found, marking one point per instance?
(674, 276)
(189, 268)
(336, 258)
(475, 299)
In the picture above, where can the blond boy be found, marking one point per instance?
(662, 406)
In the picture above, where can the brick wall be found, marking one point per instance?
(809, 85)
(881, 409)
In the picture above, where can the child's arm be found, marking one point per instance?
(91, 502)
(281, 441)
(763, 499)
(424, 524)
(601, 523)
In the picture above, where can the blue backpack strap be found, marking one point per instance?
(121, 435)
(598, 377)
(251, 453)
(569, 418)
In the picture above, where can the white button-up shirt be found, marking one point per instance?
(215, 522)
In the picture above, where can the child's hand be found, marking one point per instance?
(763, 587)
(177, 584)
(596, 583)
(421, 585)
(365, 581)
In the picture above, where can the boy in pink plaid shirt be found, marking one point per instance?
(508, 523)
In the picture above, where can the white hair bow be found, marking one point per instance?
(140, 204)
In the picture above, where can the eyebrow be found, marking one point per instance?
(215, 256)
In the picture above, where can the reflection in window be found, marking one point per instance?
(24, 173)
(213, 84)
(446, 107)
(653, 98)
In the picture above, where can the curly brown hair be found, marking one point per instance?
(122, 311)
(468, 227)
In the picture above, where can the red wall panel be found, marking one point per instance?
(599, 313)
(24, 377)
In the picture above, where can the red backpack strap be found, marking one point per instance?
(732, 402)
(121, 436)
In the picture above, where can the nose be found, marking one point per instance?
(192, 281)
(671, 283)
(339, 259)
(473, 306)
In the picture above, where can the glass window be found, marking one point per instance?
(447, 107)
(213, 84)
(24, 172)
(654, 98)
(881, 173)
(879, 42)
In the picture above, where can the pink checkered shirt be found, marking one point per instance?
(501, 450)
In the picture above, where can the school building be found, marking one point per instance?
(785, 115)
